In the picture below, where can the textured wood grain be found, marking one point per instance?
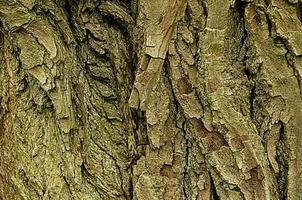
(170, 99)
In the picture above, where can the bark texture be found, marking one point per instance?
(150, 99)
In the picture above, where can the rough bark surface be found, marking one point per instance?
(150, 99)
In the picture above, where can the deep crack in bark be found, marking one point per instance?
(281, 158)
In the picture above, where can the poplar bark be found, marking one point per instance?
(150, 99)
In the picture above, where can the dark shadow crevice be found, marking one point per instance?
(299, 11)
(214, 193)
(281, 158)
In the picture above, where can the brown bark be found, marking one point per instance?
(170, 99)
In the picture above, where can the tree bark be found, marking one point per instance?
(140, 99)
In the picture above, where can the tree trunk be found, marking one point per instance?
(150, 99)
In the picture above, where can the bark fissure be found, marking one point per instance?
(281, 157)
(214, 195)
(299, 10)
(289, 55)
(185, 165)
(177, 115)
(290, 61)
